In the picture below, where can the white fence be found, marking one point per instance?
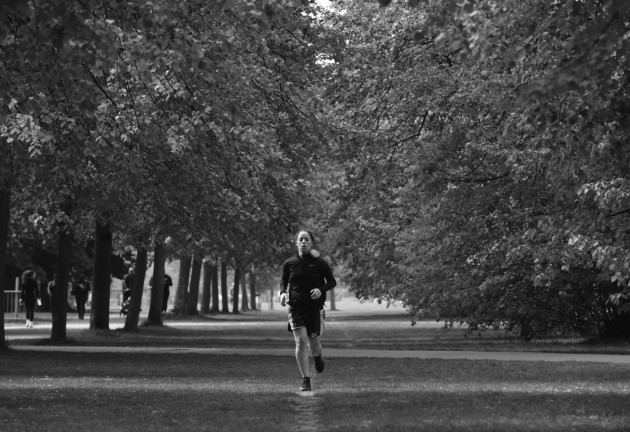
(13, 308)
(12, 300)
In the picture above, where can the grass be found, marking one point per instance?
(389, 332)
(83, 391)
(193, 392)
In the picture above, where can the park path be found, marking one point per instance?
(349, 353)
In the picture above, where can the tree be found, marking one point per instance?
(193, 289)
(99, 317)
(224, 288)
(5, 200)
(157, 103)
(479, 195)
(235, 288)
(140, 269)
(214, 268)
(252, 288)
(205, 287)
(155, 309)
(181, 292)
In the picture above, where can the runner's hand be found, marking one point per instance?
(283, 299)
(316, 293)
(314, 253)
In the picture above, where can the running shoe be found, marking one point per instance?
(320, 364)
(306, 384)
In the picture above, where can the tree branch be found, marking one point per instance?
(100, 87)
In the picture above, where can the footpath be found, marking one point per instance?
(346, 353)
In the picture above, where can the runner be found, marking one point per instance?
(305, 279)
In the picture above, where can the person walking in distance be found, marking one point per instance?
(306, 277)
(166, 292)
(29, 295)
(81, 290)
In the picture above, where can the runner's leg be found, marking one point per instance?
(301, 350)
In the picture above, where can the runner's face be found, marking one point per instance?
(304, 243)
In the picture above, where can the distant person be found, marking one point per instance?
(81, 290)
(305, 279)
(29, 296)
(168, 283)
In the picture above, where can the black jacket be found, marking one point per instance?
(301, 275)
(30, 290)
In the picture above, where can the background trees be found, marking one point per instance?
(488, 133)
(466, 157)
(188, 120)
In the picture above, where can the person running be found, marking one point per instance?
(305, 279)
(29, 295)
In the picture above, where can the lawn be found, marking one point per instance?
(393, 332)
(83, 391)
(194, 392)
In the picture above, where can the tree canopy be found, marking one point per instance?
(491, 182)
(469, 158)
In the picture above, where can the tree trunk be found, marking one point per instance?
(225, 306)
(252, 288)
(59, 301)
(235, 288)
(193, 289)
(101, 278)
(331, 296)
(215, 287)
(244, 299)
(205, 288)
(157, 287)
(140, 270)
(179, 307)
(5, 219)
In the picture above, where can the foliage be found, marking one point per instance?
(189, 120)
(492, 183)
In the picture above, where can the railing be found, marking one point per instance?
(12, 300)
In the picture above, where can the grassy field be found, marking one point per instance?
(192, 392)
(83, 391)
(343, 330)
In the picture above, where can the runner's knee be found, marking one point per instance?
(301, 341)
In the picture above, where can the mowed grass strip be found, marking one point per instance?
(193, 392)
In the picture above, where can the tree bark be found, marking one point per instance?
(59, 303)
(331, 295)
(5, 219)
(225, 305)
(244, 297)
(205, 288)
(101, 278)
(252, 288)
(157, 287)
(235, 288)
(193, 288)
(179, 307)
(215, 287)
(140, 271)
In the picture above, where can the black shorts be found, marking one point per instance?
(312, 319)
